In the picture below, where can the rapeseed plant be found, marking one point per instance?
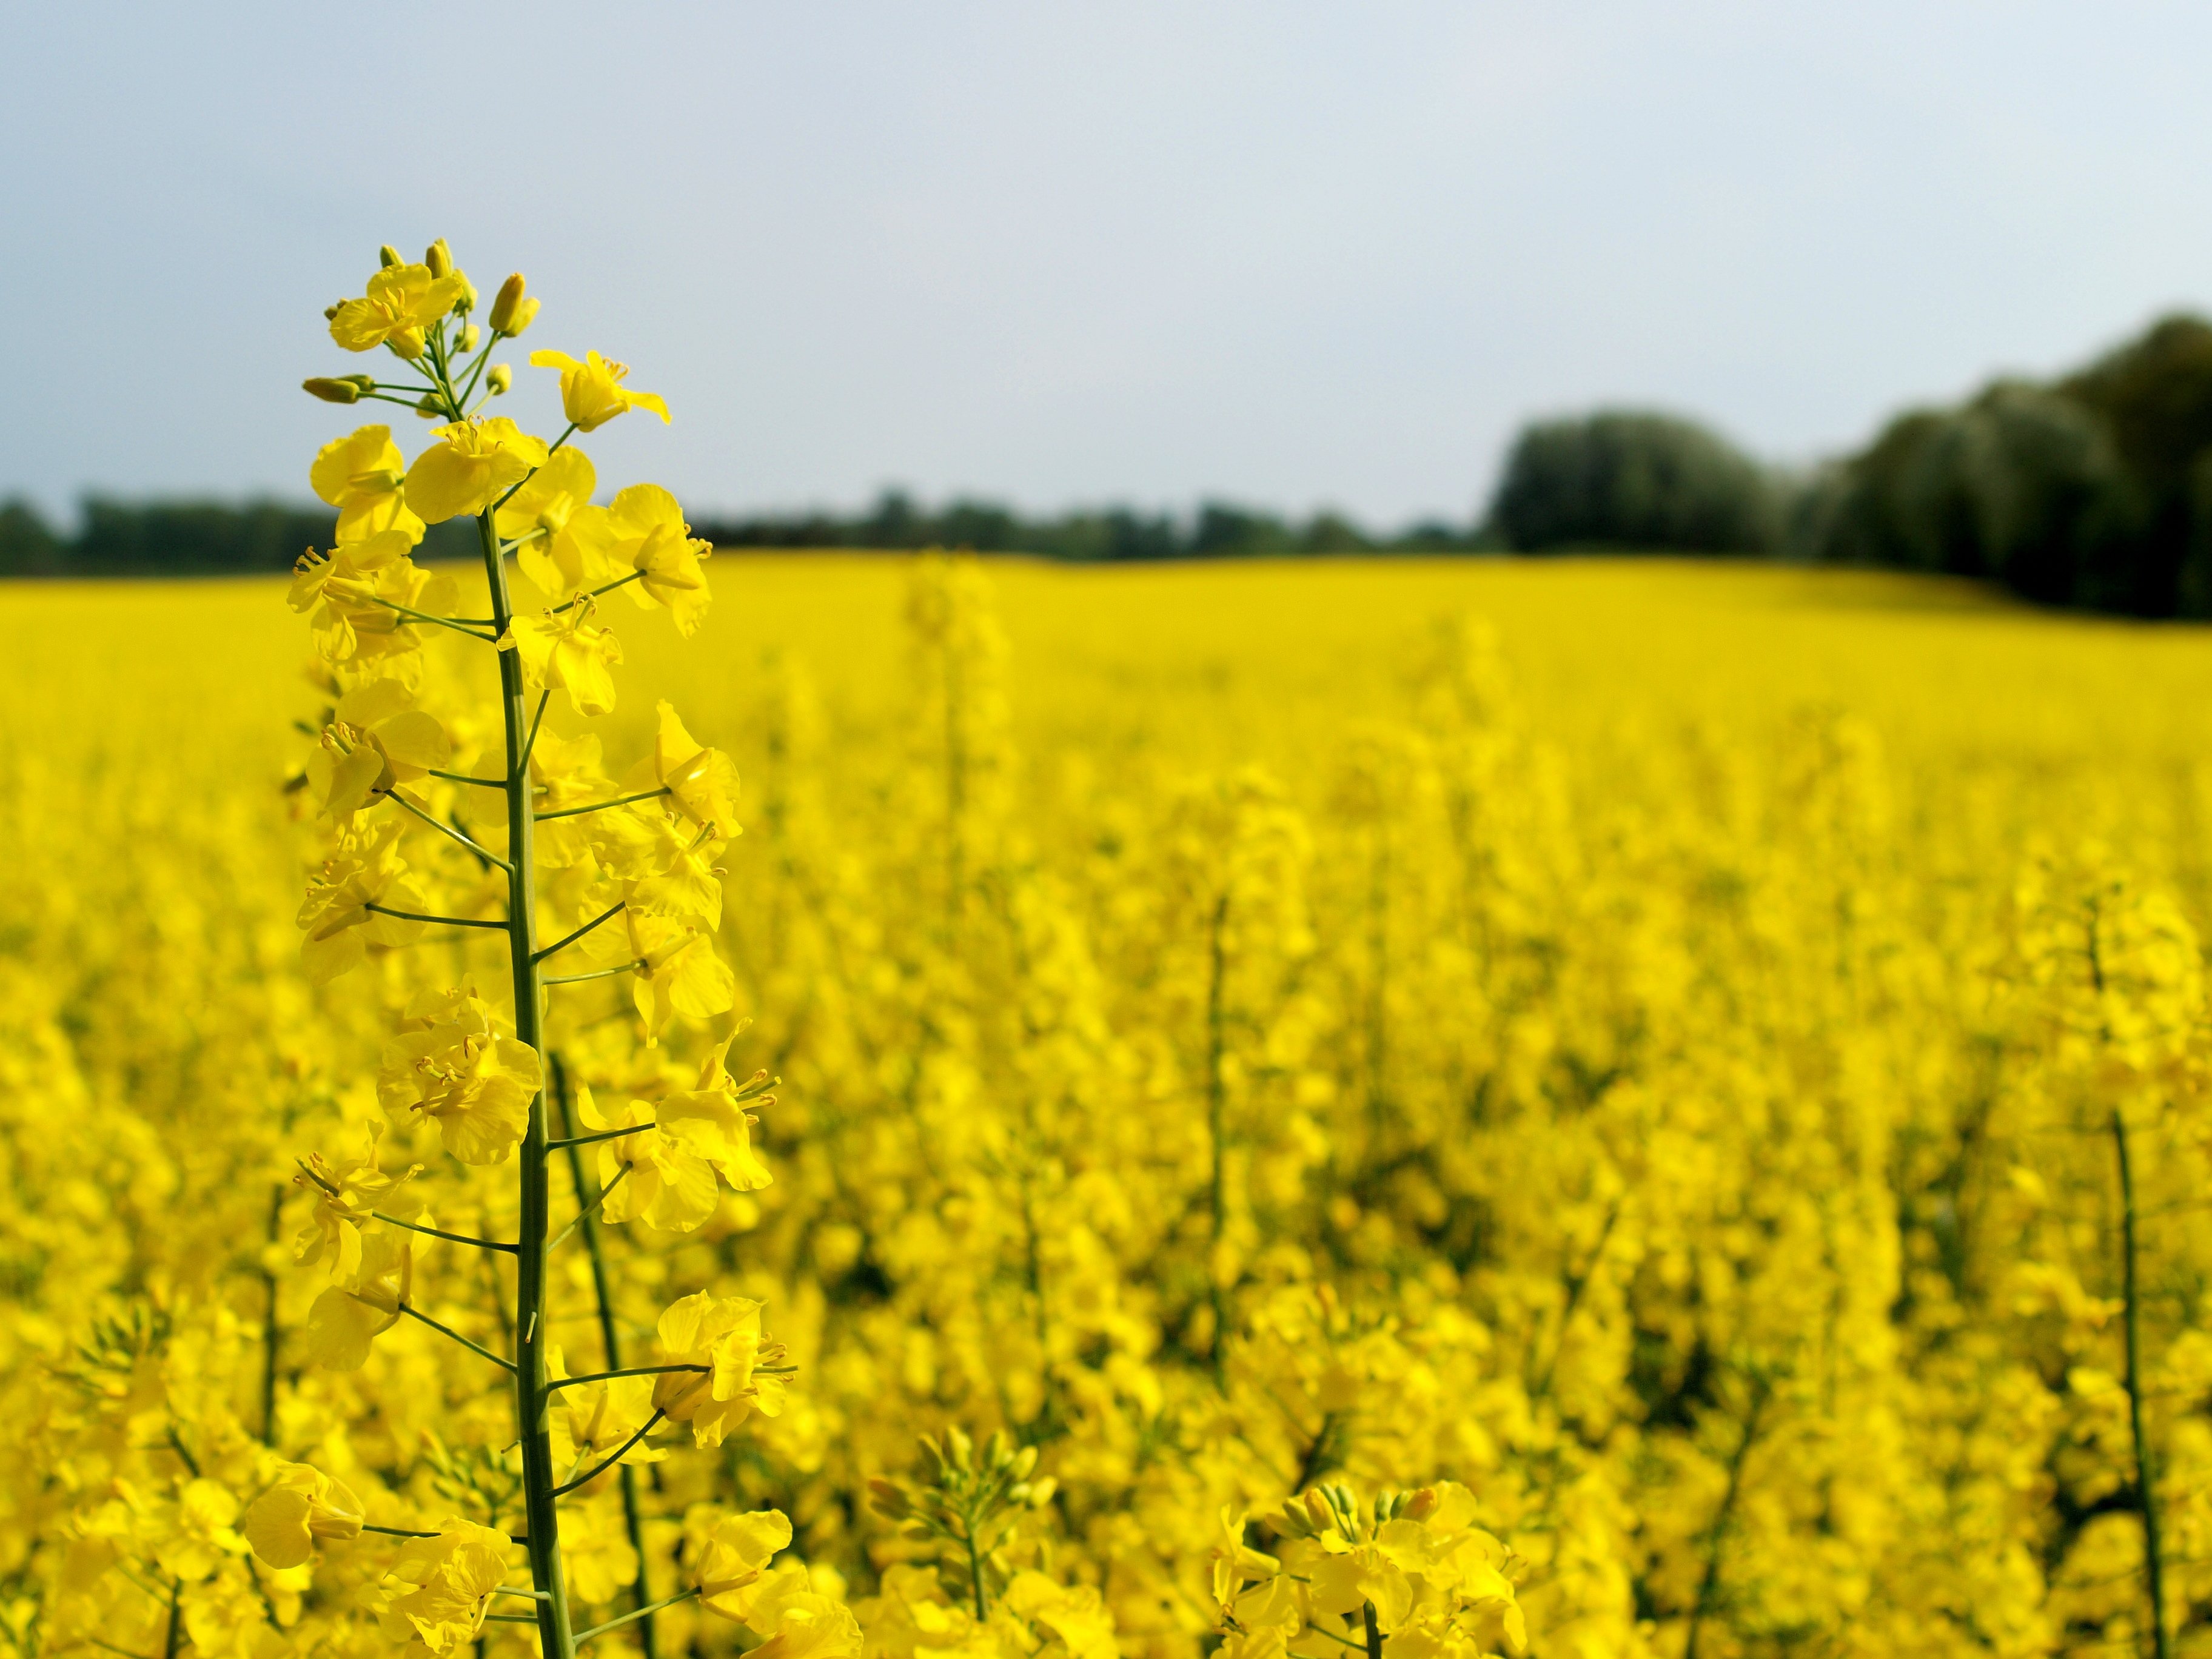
(1322, 1150)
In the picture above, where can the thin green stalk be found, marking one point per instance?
(568, 939)
(602, 806)
(434, 1232)
(447, 830)
(1709, 1585)
(476, 1348)
(532, 1325)
(437, 921)
(599, 1135)
(631, 1370)
(585, 1215)
(601, 973)
(619, 1452)
(1216, 1113)
(1374, 1632)
(2146, 1471)
(269, 1331)
(610, 1345)
(645, 1613)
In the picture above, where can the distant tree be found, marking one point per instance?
(1333, 533)
(28, 546)
(1224, 530)
(1624, 479)
(2095, 490)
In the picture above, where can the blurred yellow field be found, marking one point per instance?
(1649, 1044)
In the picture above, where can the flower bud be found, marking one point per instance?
(500, 378)
(427, 407)
(332, 391)
(1421, 1504)
(467, 302)
(525, 314)
(890, 1503)
(438, 257)
(470, 336)
(1024, 1461)
(504, 304)
(388, 256)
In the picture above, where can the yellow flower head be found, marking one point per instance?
(642, 532)
(702, 781)
(360, 476)
(365, 870)
(568, 651)
(346, 1192)
(595, 1418)
(357, 1309)
(543, 517)
(592, 392)
(453, 1062)
(439, 1588)
(304, 1505)
(379, 741)
(678, 972)
(473, 464)
(731, 1568)
(746, 1369)
(403, 302)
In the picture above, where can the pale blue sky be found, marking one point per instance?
(1287, 253)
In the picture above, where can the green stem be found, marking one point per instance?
(632, 1370)
(1709, 1585)
(451, 834)
(425, 616)
(531, 1323)
(617, 1454)
(435, 922)
(607, 588)
(1216, 1113)
(585, 1216)
(645, 1611)
(602, 806)
(457, 1238)
(566, 940)
(478, 1348)
(975, 1573)
(1374, 1633)
(269, 1331)
(603, 973)
(2146, 1475)
(610, 1345)
(603, 1134)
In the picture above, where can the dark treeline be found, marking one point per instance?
(2092, 490)
(212, 539)
(203, 538)
(1216, 531)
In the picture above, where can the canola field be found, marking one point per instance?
(1691, 1077)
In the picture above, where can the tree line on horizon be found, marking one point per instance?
(2093, 490)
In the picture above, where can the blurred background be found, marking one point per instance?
(1890, 283)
